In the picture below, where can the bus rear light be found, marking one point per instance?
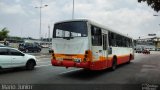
(86, 52)
(85, 56)
(54, 57)
(53, 53)
(84, 59)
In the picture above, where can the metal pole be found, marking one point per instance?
(49, 33)
(73, 11)
(40, 19)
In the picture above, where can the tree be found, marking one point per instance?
(3, 33)
(155, 4)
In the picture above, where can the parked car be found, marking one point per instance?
(158, 49)
(50, 50)
(1, 45)
(138, 50)
(146, 51)
(11, 58)
(29, 47)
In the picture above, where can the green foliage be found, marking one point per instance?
(155, 4)
(3, 33)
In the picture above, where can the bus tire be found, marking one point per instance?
(129, 61)
(114, 64)
(0, 68)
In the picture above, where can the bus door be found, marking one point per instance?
(96, 37)
(105, 45)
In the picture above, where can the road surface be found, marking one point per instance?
(145, 69)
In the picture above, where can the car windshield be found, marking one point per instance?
(70, 29)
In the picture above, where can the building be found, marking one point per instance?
(148, 43)
(157, 42)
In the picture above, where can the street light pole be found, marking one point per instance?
(73, 11)
(40, 21)
(48, 33)
(40, 16)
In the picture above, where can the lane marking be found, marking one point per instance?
(43, 65)
(45, 62)
(41, 59)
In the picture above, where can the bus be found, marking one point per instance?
(82, 43)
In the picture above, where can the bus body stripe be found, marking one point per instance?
(97, 65)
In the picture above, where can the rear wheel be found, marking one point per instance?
(0, 68)
(30, 65)
(114, 64)
(39, 50)
(129, 61)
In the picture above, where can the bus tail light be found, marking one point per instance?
(53, 55)
(86, 56)
(85, 59)
(86, 52)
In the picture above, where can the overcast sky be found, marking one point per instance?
(125, 16)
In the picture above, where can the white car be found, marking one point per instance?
(11, 58)
(2, 45)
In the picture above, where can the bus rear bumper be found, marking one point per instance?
(65, 63)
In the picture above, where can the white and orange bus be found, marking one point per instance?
(85, 44)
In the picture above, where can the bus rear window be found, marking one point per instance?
(70, 29)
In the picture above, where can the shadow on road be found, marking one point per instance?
(14, 70)
(84, 74)
(88, 74)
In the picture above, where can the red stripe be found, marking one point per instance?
(65, 63)
(98, 65)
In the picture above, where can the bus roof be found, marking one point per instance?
(96, 24)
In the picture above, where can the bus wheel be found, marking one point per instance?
(129, 61)
(114, 64)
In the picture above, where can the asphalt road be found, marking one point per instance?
(143, 69)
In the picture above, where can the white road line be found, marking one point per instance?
(45, 62)
(44, 65)
(69, 71)
(41, 59)
(44, 57)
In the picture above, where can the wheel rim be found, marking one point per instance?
(30, 66)
(114, 65)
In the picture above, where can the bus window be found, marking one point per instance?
(59, 33)
(112, 39)
(96, 36)
(105, 42)
(70, 29)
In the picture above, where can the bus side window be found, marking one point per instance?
(105, 42)
(96, 36)
(112, 39)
